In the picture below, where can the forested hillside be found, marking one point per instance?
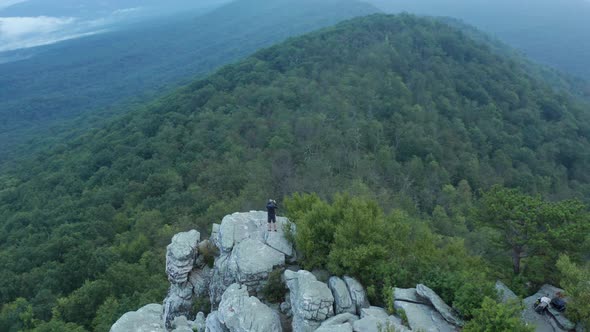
(407, 112)
(94, 75)
(553, 32)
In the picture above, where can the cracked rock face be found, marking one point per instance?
(248, 252)
(312, 301)
(357, 294)
(181, 255)
(239, 312)
(342, 300)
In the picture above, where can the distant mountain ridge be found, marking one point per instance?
(82, 76)
(403, 109)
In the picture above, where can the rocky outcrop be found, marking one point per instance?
(149, 319)
(552, 320)
(239, 312)
(342, 300)
(357, 294)
(146, 319)
(312, 301)
(248, 252)
(443, 309)
(420, 312)
(181, 255)
(375, 319)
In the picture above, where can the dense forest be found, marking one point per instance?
(96, 74)
(403, 126)
(549, 31)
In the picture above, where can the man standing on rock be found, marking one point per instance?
(271, 207)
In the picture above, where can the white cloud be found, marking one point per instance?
(8, 3)
(12, 28)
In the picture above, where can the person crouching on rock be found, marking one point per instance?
(272, 207)
(541, 304)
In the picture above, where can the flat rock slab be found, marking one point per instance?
(253, 258)
(424, 318)
(408, 295)
(553, 321)
(445, 311)
(146, 319)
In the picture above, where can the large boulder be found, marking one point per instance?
(249, 263)
(357, 294)
(242, 313)
(312, 301)
(342, 299)
(423, 317)
(420, 311)
(181, 255)
(237, 227)
(248, 252)
(445, 311)
(212, 323)
(408, 295)
(146, 319)
(178, 302)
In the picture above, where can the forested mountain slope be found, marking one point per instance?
(399, 108)
(553, 32)
(84, 76)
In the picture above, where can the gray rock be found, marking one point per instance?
(357, 294)
(408, 295)
(181, 324)
(447, 312)
(200, 280)
(423, 317)
(244, 257)
(340, 319)
(311, 300)
(200, 322)
(505, 293)
(345, 327)
(376, 312)
(374, 324)
(146, 319)
(249, 263)
(237, 227)
(212, 323)
(181, 255)
(551, 321)
(342, 299)
(242, 313)
(277, 240)
(178, 302)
